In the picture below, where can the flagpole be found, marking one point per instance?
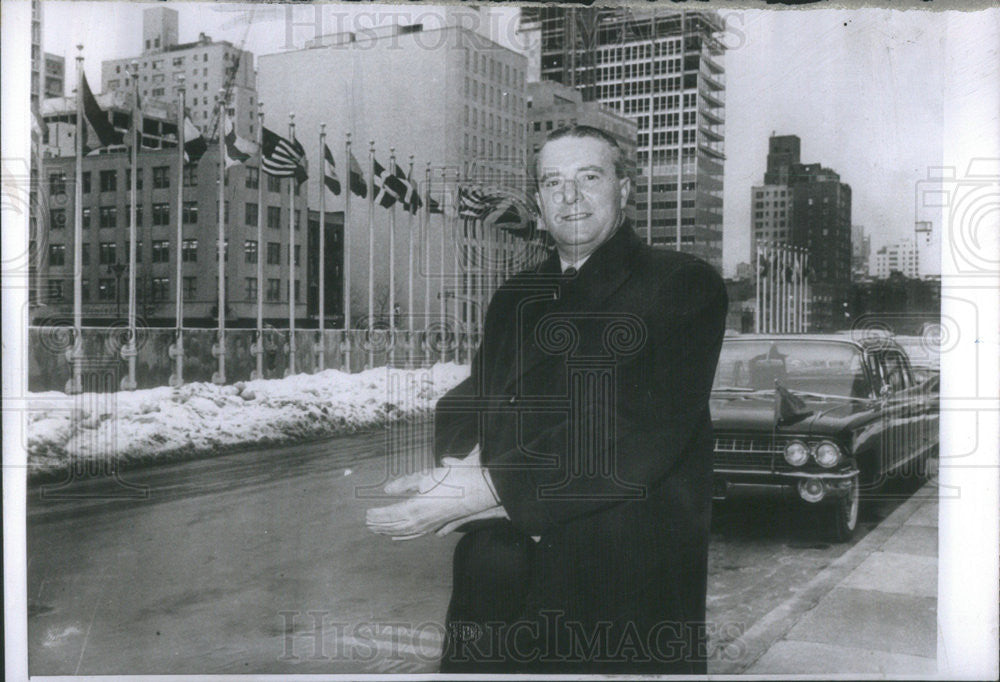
(259, 349)
(322, 245)
(756, 323)
(75, 385)
(780, 288)
(291, 259)
(409, 256)
(219, 350)
(129, 351)
(371, 251)
(392, 263)
(441, 299)
(766, 302)
(425, 233)
(177, 350)
(347, 258)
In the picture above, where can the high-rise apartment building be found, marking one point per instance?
(806, 205)
(446, 96)
(898, 257)
(208, 67)
(662, 69)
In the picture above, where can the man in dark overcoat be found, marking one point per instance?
(585, 501)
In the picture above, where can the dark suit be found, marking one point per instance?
(589, 398)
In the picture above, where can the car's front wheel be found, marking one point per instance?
(844, 512)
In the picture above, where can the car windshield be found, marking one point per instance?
(921, 351)
(808, 366)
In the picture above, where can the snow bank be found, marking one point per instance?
(202, 418)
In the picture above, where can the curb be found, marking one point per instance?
(756, 641)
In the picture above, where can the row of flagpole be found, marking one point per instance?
(388, 187)
(782, 289)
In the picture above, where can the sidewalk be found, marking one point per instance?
(872, 611)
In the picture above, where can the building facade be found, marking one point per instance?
(806, 205)
(861, 249)
(208, 67)
(449, 100)
(901, 257)
(664, 70)
(105, 247)
(55, 76)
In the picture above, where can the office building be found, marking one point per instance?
(446, 96)
(928, 245)
(806, 205)
(901, 257)
(105, 185)
(55, 76)
(663, 69)
(860, 252)
(208, 66)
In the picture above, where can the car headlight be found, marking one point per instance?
(796, 453)
(827, 454)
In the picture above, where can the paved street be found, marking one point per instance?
(260, 562)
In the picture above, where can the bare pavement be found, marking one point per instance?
(259, 562)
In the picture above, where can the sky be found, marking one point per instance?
(861, 88)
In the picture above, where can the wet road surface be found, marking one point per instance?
(259, 562)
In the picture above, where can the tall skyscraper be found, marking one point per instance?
(662, 69)
(806, 205)
(861, 249)
(207, 65)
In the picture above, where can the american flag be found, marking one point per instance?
(283, 158)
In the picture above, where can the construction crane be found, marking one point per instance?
(233, 70)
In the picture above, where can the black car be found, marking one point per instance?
(819, 419)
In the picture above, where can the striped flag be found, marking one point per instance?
(283, 158)
(194, 143)
(97, 129)
(388, 188)
(356, 178)
(238, 149)
(330, 178)
(472, 202)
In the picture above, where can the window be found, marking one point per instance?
(298, 222)
(274, 217)
(105, 290)
(160, 288)
(138, 214)
(86, 182)
(273, 184)
(298, 252)
(57, 218)
(190, 212)
(57, 254)
(161, 177)
(297, 296)
(273, 253)
(190, 286)
(190, 176)
(225, 251)
(251, 289)
(57, 183)
(109, 216)
(56, 290)
(250, 251)
(109, 180)
(138, 250)
(161, 251)
(85, 251)
(253, 178)
(189, 251)
(161, 214)
(158, 92)
(107, 253)
(273, 290)
(250, 213)
(85, 290)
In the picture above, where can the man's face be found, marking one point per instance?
(580, 196)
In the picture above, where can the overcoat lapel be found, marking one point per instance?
(599, 278)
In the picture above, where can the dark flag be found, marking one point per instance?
(283, 158)
(388, 188)
(433, 206)
(194, 143)
(96, 126)
(238, 149)
(411, 199)
(330, 178)
(356, 178)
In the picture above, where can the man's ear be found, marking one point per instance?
(625, 188)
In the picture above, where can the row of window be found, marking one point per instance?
(108, 252)
(639, 52)
(108, 180)
(110, 289)
(108, 215)
(635, 106)
(487, 121)
(492, 96)
(494, 69)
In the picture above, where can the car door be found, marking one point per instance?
(907, 412)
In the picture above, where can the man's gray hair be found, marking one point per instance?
(581, 131)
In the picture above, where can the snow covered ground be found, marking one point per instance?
(202, 418)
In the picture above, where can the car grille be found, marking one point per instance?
(748, 453)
